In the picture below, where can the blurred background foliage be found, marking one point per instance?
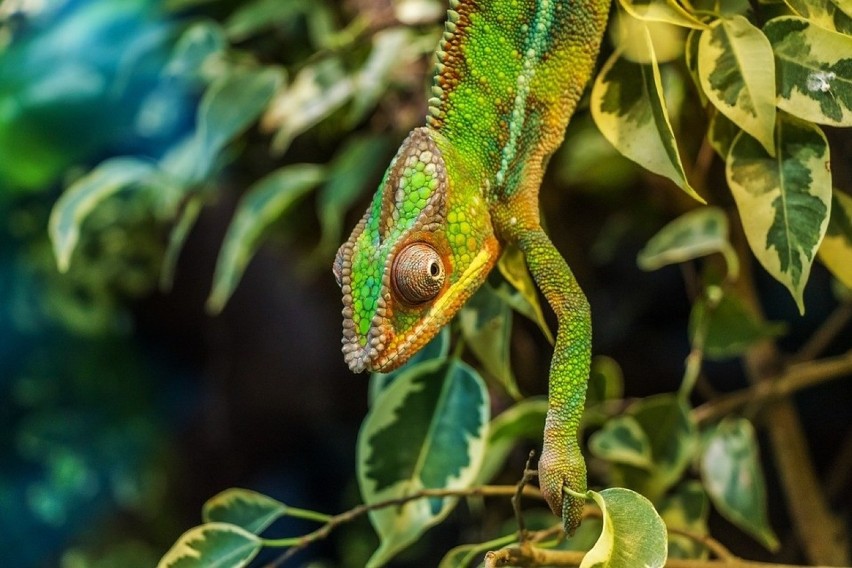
(188, 137)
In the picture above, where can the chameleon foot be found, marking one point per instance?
(557, 471)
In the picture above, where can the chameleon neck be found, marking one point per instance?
(508, 77)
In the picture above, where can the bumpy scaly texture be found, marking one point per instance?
(508, 77)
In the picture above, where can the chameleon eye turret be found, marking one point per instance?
(418, 273)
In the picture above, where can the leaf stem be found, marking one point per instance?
(309, 515)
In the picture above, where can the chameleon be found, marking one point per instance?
(462, 188)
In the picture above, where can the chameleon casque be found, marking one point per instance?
(507, 79)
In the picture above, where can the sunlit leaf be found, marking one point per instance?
(437, 349)
(828, 14)
(228, 107)
(661, 11)
(523, 293)
(84, 195)
(628, 107)
(427, 430)
(737, 73)
(686, 508)
(213, 545)
(813, 69)
(247, 509)
(522, 421)
(836, 248)
(783, 201)
(628, 35)
(486, 324)
(732, 475)
(393, 49)
(263, 204)
(194, 48)
(360, 161)
(318, 90)
(622, 440)
(694, 234)
(633, 533)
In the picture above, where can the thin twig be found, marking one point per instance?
(355, 512)
(710, 543)
(529, 475)
(825, 334)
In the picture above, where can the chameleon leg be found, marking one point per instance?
(561, 464)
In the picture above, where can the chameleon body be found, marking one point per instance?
(508, 77)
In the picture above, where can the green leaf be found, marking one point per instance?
(622, 440)
(732, 475)
(628, 107)
(835, 252)
(437, 349)
(730, 327)
(522, 293)
(251, 18)
(200, 42)
(84, 195)
(606, 381)
(828, 14)
(177, 237)
(673, 438)
(783, 201)
(464, 554)
(246, 509)
(633, 533)
(522, 421)
(661, 11)
(687, 509)
(737, 73)
(486, 324)
(813, 69)
(263, 204)
(213, 545)
(691, 59)
(694, 234)
(228, 107)
(628, 35)
(317, 91)
(426, 431)
(721, 133)
(359, 162)
(393, 49)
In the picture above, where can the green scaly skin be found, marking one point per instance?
(508, 77)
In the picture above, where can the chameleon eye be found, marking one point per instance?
(418, 273)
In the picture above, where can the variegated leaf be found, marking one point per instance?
(721, 133)
(629, 110)
(661, 11)
(426, 431)
(813, 70)
(783, 201)
(828, 14)
(737, 72)
(836, 249)
(212, 545)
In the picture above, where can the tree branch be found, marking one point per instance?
(795, 377)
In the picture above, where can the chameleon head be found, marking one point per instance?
(423, 247)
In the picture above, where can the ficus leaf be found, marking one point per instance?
(835, 252)
(263, 204)
(784, 200)
(633, 533)
(733, 478)
(814, 70)
(628, 108)
(84, 195)
(426, 431)
(737, 73)
(212, 545)
(244, 508)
